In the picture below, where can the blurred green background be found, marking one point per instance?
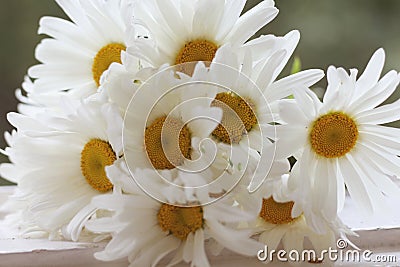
(339, 32)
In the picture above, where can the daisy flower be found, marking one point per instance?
(187, 31)
(58, 163)
(275, 225)
(340, 142)
(80, 51)
(247, 93)
(172, 132)
(203, 165)
(170, 228)
(122, 83)
(33, 102)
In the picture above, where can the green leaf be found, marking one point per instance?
(296, 66)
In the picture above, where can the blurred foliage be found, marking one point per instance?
(296, 66)
(339, 32)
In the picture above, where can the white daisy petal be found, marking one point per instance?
(188, 248)
(200, 257)
(341, 194)
(170, 15)
(59, 29)
(388, 143)
(119, 247)
(307, 165)
(287, 147)
(232, 12)
(279, 167)
(305, 101)
(272, 238)
(385, 184)
(229, 214)
(104, 225)
(255, 138)
(383, 114)
(372, 72)
(379, 93)
(253, 20)
(290, 113)
(334, 83)
(178, 256)
(284, 87)
(75, 227)
(286, 132)
(263, 47)
(321, 186)
(111, 113)
(389, 163)
(229, 238)
(294, 243)
(355, 185)
(8, 172)
(73, 12)
(267, 73)
(159, 250)
(332, 201)
(226, 56)
(268, 154)
(144, 49)
(211, 119)
(390, 132)
(206, 19)
(374, 193)
(321, 242)
(292, 39)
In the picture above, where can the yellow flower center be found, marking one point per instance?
(167, 143)
(275, 212)
(333, 135)
(238, 117)
(108, 54)
(198, 50)
(193, 51)
(180, 221)
(95, 156)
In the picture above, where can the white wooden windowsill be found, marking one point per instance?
(380, 235)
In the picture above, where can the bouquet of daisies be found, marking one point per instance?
(161, 126)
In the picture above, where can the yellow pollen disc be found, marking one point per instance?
(193, 51)
(167, 151)
(275, 212)
(180, 221)
(95, 156)
(198, 50)
(238, 117)
(333, 135)
(108, 54)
